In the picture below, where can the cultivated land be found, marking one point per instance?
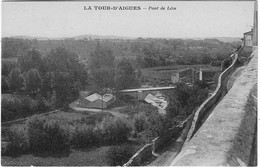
(95, 156)
(92, 156)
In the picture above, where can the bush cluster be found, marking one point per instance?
(47, 135)
(110, 130)
(119, 155)
(83, 136)
(151, 125)
(43, 135)
(18, 141)
(114, 130)
(22, 107)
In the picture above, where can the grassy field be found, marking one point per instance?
(165, 72)
(95, 156)
(67, 117)
(87, 157)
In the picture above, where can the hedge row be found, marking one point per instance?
(41, 135)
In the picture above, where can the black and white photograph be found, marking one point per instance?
(129, 83)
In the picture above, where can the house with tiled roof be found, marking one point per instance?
(97, 101)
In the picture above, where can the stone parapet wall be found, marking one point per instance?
(205, 108)
(228, 136)
(149, 150)
(140, 156)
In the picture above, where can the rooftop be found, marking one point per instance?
(95, 96)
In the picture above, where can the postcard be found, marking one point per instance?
(129, 83)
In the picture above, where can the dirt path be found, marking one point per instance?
(113, 111)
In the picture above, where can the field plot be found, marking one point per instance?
(79, 154)
(165, 72)
(95, 156)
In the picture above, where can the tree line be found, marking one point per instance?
(143, 53)
(60, 75)
(56, 76)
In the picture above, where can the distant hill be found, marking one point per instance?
(228, 39)
(223, 39)
(100, 37)
(80, 37)
(29, 37)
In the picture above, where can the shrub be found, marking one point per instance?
(154, 126)
(47, 135)
(119, 155)
(17, 141)
(22, 107)
(83, 136)
(114, 129)
(139, 120)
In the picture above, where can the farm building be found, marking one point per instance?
(97, 101)
(248, 38)
(188, 75)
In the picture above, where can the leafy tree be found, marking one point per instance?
(33, 81)
(31, 60)
(16, 80)
(174, 107)
(5, 85)
(101, 57)
(201, 84)
(139, 76)
(139, 121)
(124, 75)
(118, 155)
(65, 75)
(101, 67)
(65, 88)
(47, 84)
(102, 78)
(183, 94)
(60, 59)
(7, 67)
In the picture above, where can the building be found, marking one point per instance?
(188, 75)
(248, 38)
(255, 28)
(97, 101)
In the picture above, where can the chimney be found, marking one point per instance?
(200, 77)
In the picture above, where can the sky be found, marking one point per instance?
(68, 19)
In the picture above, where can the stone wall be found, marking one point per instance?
(228, 136)
(149, 150)
(140, 156)
(192, 123)
(206, 107)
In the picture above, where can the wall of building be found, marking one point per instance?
(95, 104)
